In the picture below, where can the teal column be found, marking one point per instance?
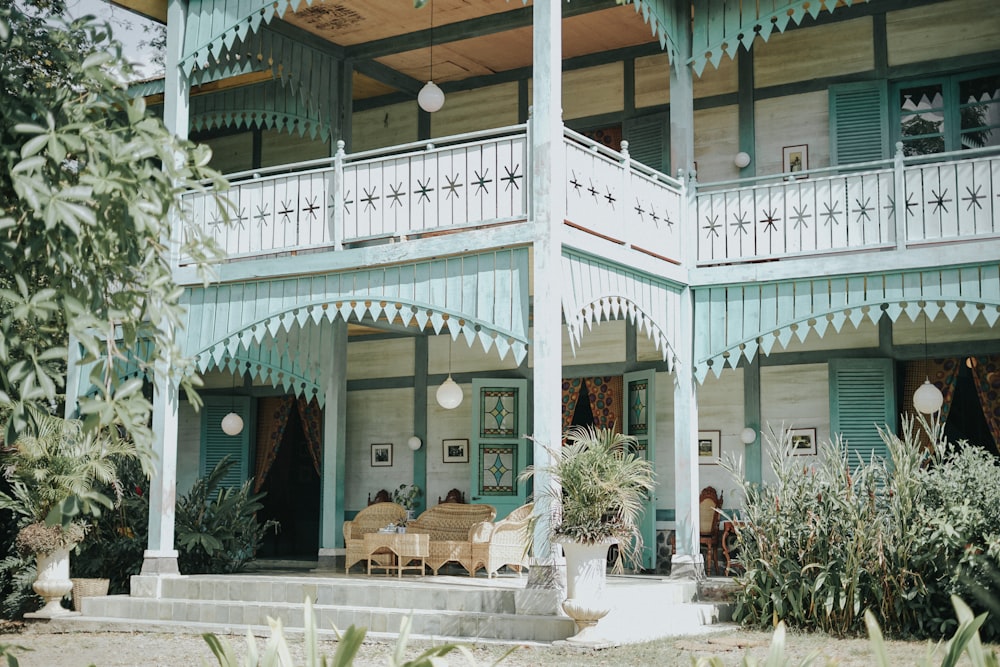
(745, 110)
(548, 204)
(331, 514)
(751, 419)
(420, 418)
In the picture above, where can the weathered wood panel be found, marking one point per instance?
(798, 397)
(716, 141)
(717, 80)
(232, 152)
(380, 358)
(652, 81)
(907, 332)
(790, 121)
(593, 91)
(955, 28)
(377, 416)
(279, 148)
(801, 55)
(472, 110)
(385, 126)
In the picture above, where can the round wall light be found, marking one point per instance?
(742, 159)
(413, 443)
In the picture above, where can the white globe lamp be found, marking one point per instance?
(232, 424)
(928, 399)
(748, 436)
(413, 443)
(431, 97)
(449, 394)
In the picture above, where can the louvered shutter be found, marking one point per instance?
(862, 395)
(215, 444)
(649, 140)
(859, 125)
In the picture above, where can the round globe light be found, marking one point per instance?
(748, 435)
(742, 159)
(449, 394)
(430, 98)
(928, 398)
(413, 443)
(232, 424)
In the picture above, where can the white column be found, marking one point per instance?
(548, 204)
(331, 515)
(160, 556)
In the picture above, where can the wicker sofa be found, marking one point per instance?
(505, 543)
(452, 529)
(368, 520)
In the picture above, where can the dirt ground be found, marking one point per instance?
(116, 649)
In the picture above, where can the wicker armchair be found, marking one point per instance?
(505, 542)
(452, 528)
(368, 520)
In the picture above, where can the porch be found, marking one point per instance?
(442, 608)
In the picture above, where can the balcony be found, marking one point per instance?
(480, 180)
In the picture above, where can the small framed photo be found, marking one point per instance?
(381, 455)
(795, 158)
(803, 441)
(455, 451)
(709, 447)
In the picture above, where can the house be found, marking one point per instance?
(803, 225)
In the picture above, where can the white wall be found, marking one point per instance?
(794, 397)
(377, 416)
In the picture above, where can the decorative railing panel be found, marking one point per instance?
(950, 200)
(609, 195)
(792, 217)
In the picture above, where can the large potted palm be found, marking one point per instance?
(598, 492)
(58, 476)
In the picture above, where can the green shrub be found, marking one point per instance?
(217, 528)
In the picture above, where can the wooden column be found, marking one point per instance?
(160, 556)
(331, 513)
(548, 204)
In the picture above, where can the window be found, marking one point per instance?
(948, 113)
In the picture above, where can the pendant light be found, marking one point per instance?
(927, 399)
(232, 424)
(431, 97)
(449, 394)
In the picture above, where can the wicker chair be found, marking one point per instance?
(381, 496)
(453, 496)
(368, 520)
(505, 542)
(452, 528)
(709, 502)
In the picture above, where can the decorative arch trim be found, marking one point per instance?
(738, 321)
(600, 290)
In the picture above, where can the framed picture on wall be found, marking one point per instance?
(381, 455)
(455, 451)
(803, 441)
(709, 447)
(795, 158)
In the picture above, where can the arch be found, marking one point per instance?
(601, 290)
(735, 321)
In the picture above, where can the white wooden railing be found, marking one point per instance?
(944, 198)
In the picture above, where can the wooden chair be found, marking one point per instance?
(381, 496)
(709, 502)
(453, 496)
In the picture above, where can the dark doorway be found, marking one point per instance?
(965, 418)
(293, 497)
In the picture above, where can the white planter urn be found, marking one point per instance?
(52, 583)
(586, 575)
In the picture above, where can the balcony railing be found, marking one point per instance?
(944, 198)
(480, 179)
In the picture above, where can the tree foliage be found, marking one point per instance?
(90, 218)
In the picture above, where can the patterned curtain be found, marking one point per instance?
(272, 420)
(605, 394)
(570, 397)
(986, 374)
(312, 426)
(943, 373)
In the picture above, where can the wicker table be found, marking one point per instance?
(401, 548)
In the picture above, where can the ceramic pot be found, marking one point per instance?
(52, 582)
(586, 575)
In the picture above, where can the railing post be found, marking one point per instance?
(688, 226)
(626, 197)
(899, 210)
(337, 233)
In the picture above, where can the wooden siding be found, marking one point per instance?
(942, 30)
(652, 81)
(380, 358)
(593, 91)
(602, 343)
(716, 141)
(384, 126)
(863, 335)
(800, 55)
(464, 359)
(907, 332)
(790, 121)
(796, 397)
(278, 148)
(717, 80)
(720, 408)
(377, 416)
(480, 109)
(231, 152)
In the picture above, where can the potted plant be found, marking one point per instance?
(406, 495)
(59, 475)
(596, 500)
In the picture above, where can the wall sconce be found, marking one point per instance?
(742, 159)
(748, 436)
(413, 443)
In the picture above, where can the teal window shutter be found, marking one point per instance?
(859, 123)
(649, 140)
(216, 445)
(862, 398)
